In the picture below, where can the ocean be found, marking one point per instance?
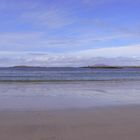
(68, 74)
(66, 88)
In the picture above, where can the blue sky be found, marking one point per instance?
(69, 32)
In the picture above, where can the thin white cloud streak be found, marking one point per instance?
(132, 51)
(96, 2)
(19, 41)
(51, 19)
(7, 5)
(35, 41)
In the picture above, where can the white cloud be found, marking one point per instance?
(125, 55)
(122, 51)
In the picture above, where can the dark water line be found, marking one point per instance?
(36, 81)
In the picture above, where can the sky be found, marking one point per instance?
(69, 32)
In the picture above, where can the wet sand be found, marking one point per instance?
(106, 123)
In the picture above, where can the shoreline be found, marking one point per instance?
(118, 122)
(70, 109)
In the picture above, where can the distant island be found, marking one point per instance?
(103, 66)
(24, 66)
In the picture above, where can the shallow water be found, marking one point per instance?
(63, 95)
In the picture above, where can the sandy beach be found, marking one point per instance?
(102, 123)
(80, 110)
(70, 110)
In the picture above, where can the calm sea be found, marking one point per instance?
(68, 74)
